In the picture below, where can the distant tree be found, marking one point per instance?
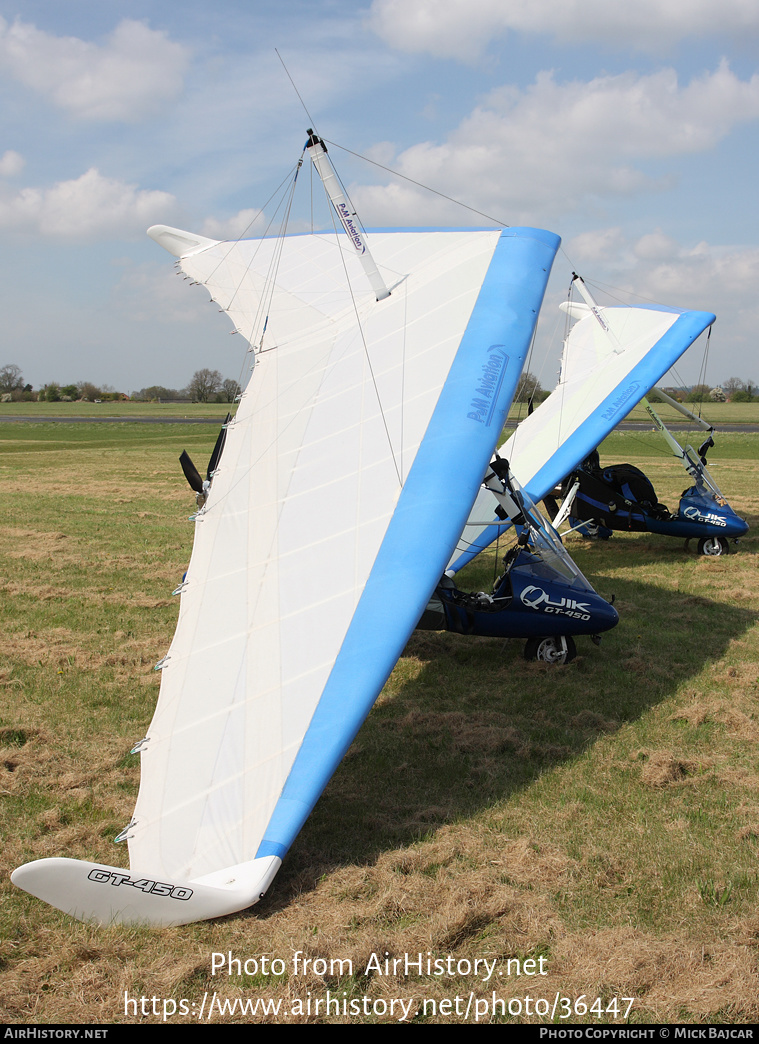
(51, 393)
(204, 384)
(738, 390)
(230, 389)
(732, 385)
(157, 393)
(529, 388)
(698, 393)
(88, 392)
(11, 378)
(718, 394)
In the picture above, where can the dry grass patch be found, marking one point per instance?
(675, 978)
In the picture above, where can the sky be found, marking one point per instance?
(631, 130)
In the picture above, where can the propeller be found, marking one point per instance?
(218, 447)
(704, 449)
(191, 473)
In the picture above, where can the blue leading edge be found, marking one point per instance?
(431, 512)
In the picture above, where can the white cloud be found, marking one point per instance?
(89, 207)
(659, 268)
(245, 223)
(534, 154)
(695, 273)
(655, 246)
(709, 277)
(132, 74)
(463, 28)
(597, 246)
(154, 292)
(11, 163)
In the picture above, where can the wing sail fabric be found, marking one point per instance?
(604, 374)
(347, 475)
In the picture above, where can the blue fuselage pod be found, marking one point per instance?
(701, 513)
(527, 602)
(543, 607)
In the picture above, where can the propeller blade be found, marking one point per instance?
(217, 450)
(191, 473)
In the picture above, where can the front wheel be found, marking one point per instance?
(550, 650)
(715, 545)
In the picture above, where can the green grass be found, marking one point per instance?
(127, 410)
(716, 413)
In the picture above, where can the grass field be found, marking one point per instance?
(126, 410)
(717, 413)
(602, 816)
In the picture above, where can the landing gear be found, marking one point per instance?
(716, 545)
(550, 650)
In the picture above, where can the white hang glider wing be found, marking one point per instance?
(346, 477)
(612, 358)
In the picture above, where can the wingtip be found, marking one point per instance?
(178, 242)
(101, 894)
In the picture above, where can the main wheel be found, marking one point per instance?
(715, 545)
(550, 650)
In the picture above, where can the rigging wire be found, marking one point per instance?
(264, 302)
(628, 295)
(419, 184)
(300, 99)
(286, 200)
(271, 275)
(363, 341)
(289, 179)
(381, 166)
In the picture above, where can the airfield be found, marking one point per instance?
(596, 825)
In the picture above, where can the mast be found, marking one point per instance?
(317, 150)
(671, 441)
(593, 306)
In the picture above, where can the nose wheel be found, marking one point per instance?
(712, 546)
(556, 649)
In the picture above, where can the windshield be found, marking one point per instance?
(701, 477)
(549, 556)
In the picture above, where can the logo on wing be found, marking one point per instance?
(483, 405)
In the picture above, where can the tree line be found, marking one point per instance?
(206, 386)
(732, 390)
(209, 386)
